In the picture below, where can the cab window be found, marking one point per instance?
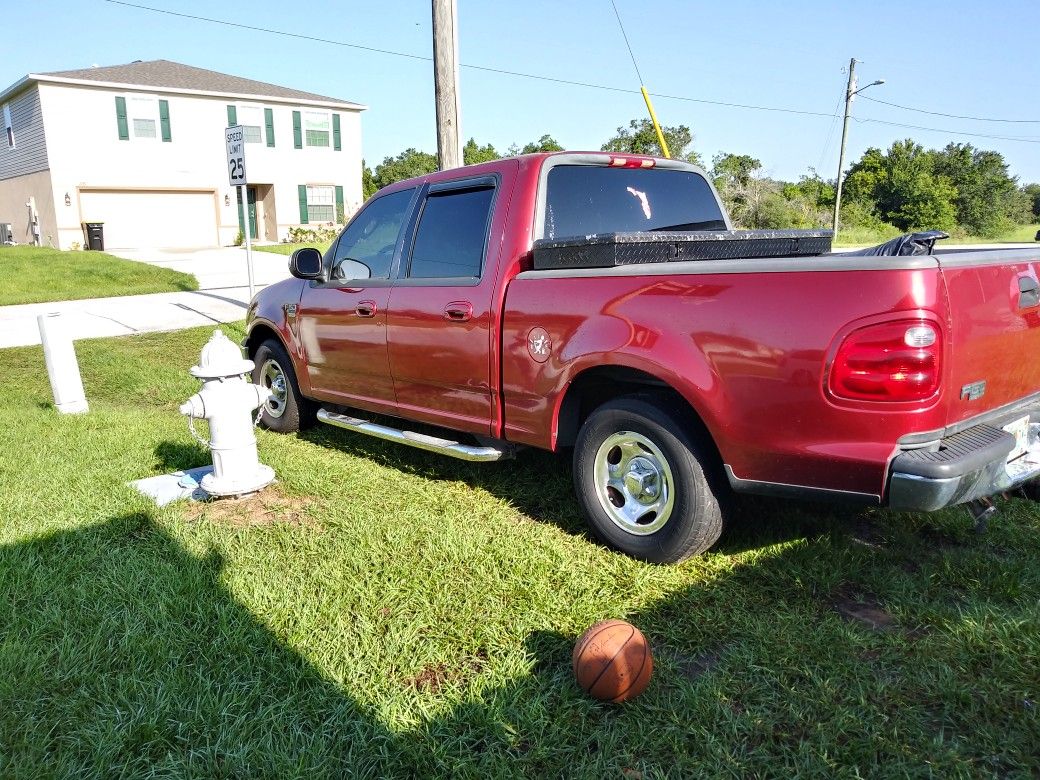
(365, 250)
(452, 234)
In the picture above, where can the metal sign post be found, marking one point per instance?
(234, 138)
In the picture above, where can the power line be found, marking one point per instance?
(629, 45)
(483, 68)
(1030, 140)
(953, 116)
(554, 80)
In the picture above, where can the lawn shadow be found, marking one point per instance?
(124, 654)
(180, 456)
(539, 484)
(536, 482)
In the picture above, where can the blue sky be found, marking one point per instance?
(951, 57)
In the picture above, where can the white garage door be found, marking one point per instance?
(153, 219)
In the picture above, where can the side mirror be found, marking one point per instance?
(306, 263)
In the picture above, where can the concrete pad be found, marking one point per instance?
(102, 317)
(167, 488)
(223, 297)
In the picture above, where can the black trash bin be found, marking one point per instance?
(95, 235)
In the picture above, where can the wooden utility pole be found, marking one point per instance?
(446, 83)
(850, 94)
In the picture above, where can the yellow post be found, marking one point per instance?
(653, 118)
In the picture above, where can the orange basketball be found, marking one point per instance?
(612, 661)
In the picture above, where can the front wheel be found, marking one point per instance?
(286, 411)
(640, 479)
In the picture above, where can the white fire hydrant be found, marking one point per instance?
(227, 401)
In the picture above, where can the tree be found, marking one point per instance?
(368, 181)
(544, 144)
(1032, 195)
(409, 163)
(903, 187)
(473, 154)
(733, 169)
(988, 200)
(641, 138)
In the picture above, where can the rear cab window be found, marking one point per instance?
(583, 200)
(451, 237)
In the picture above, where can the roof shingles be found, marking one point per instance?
(175, 75)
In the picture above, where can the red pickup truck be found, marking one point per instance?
(675, 374)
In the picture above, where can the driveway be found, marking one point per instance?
(223, 297)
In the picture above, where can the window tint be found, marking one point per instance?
(452, 234)
(586, 199)
(366, 247)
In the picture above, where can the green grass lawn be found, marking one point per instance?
(869, 237)
(384, 612)
(31, 274)
(288, 249)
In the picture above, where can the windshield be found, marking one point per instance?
(586, 199)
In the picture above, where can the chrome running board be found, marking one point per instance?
(412, 439)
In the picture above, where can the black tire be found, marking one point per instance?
(287, 411)
(636, 443)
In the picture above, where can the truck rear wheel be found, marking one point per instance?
(640, 478)
(286, 411)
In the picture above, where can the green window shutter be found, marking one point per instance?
(341, 215)
(269, 125)
(232, 116)
(241, 215)
(164, 120)
(303, 202)
(336, 143)
(297, 130)
(121, 123)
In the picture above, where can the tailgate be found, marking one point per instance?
(994, 301)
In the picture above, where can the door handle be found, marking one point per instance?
(1028, 292)
(458, 311)
(365, 309)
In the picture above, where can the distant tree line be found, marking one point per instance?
(958, 188)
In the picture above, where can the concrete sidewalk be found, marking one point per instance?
(223, 297)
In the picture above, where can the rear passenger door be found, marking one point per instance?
(439, 322)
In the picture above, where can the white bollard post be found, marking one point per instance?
(62, 367)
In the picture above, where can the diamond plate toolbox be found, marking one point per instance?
(608, 250)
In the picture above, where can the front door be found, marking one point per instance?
(251, 198)
(343, 321)
(440, 321)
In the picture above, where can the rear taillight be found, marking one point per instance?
(891, 361)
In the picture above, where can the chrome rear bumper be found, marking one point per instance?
(968, 465)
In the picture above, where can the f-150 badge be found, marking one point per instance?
(539, 344)
(974, 390)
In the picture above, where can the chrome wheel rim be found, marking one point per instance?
(273, 378)
(634, 483)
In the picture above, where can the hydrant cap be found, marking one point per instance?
(221, 358)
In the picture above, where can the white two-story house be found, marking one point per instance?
(141, 149)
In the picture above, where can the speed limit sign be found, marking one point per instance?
(236, 155)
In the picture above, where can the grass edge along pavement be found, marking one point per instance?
(423, 627)
(30, 274)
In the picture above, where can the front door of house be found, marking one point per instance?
(251, 198)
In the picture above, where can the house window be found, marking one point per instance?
(321, 203)
(144, 116)
(8, 127)
(316, 125)
(251, 118)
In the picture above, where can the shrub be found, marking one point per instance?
(319, 234)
